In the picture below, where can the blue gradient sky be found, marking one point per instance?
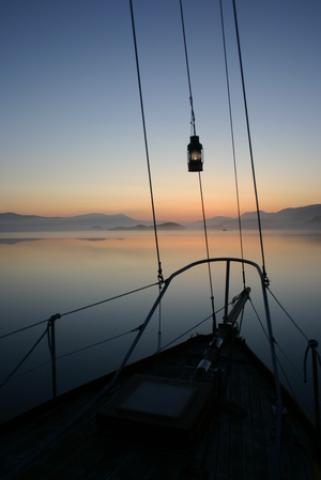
(70, 130)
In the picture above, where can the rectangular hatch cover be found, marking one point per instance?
(152, 397)
(157, 403)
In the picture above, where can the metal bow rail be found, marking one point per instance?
(50, 331)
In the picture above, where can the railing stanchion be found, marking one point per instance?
(227, 289)
(313, 346)
(316, 389)
(52, 348)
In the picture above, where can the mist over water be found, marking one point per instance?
(53, 272)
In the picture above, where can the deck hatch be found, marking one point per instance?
(155, 398)
(146, 404)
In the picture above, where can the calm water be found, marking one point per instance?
(48, 273)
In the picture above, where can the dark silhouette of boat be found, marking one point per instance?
(207, 408)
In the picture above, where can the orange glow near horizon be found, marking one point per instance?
(175, 212)
(172, 202)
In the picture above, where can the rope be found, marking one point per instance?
(250, 142)
(76, 310)
(207, 254)
(193, 124)
(227, 75)
(160, 272)
(34, 346)
(288, 315)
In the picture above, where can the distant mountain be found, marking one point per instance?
(13, 222)
(305, 218)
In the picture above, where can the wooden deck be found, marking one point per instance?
(237, 442)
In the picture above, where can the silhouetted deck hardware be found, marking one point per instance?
(195, 155)
(37, 451)
(313, 346)
(172, 407)
(225, 330)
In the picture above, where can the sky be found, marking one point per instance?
(71, 138)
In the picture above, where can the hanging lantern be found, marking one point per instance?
(194, 155)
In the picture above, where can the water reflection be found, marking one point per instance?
(59, 272)
(13, 241)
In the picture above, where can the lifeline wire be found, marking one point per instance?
(249, 140)
(193, 124)
(78, 350)
(227, 75)
(80, 309)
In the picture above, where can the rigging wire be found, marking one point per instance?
(227, 75)
(78, 350)
(193, 126)
(191, 101)
(22, 329)
(80, 309)
(193, 327)
(274, 340)
(96, 344)
(21, 362)
(291, 389)
(160, 272)
(296, 325)
(207, 253)
(288, 315)
(249, 136)
(90, 346)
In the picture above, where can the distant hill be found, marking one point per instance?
(13, 222)
(305, 218)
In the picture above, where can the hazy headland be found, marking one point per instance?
(299, 218)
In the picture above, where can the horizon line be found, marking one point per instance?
(150, 219)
